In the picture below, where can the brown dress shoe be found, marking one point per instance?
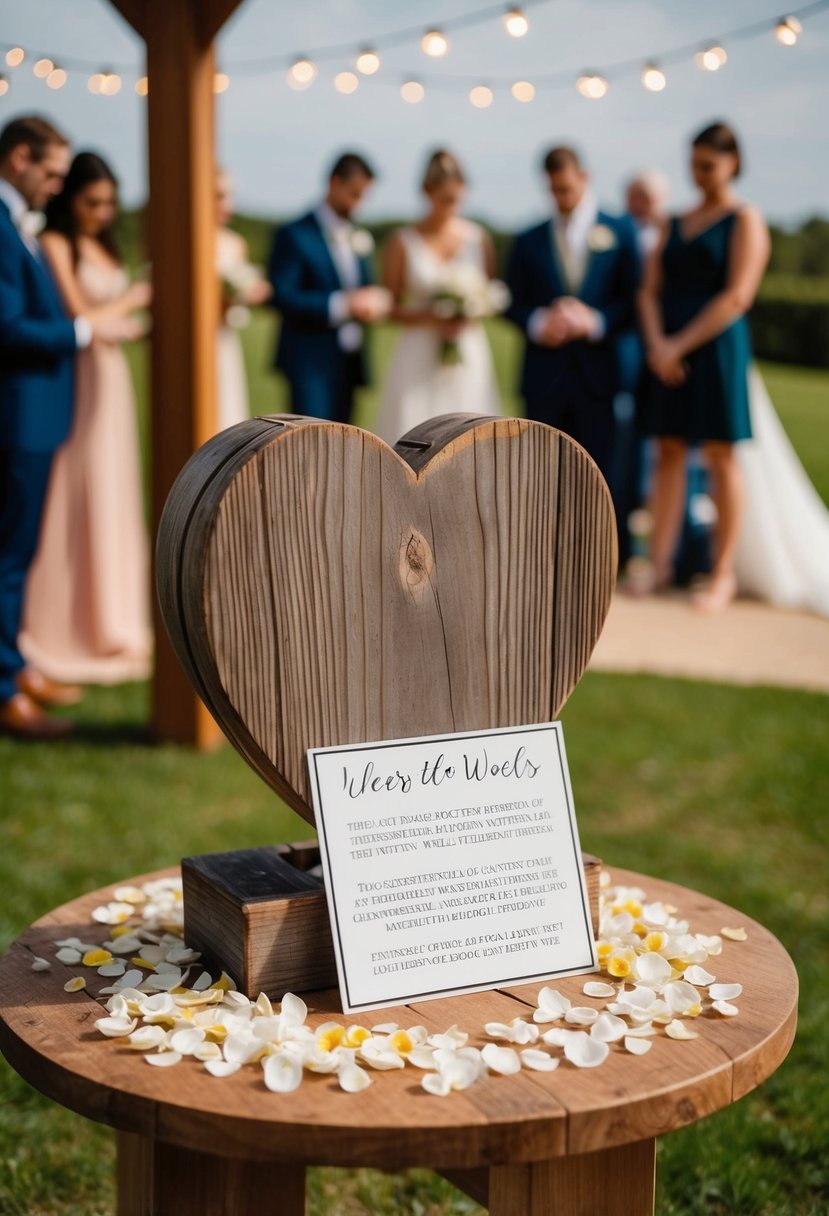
(23, 717)
(46, 692)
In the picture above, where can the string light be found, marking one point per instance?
(788, 30)
(142, 86)
(95, 84)
(711, 59)
(515, 23)
(42, 68)
(368, 62)
(4, 85)
(434, 43)
(413, 92)
(345, 82)
(653, 78)
(15, 56)
(221, 82)
(592, 86)
(56, 78)
(302, 73)
(522, 90)
(481, 96)
(110, 84)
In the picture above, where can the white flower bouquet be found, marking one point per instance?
(241, 287)
(465, 293)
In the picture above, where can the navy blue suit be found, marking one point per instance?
(572, 387)
(304, 276)
(37, 348)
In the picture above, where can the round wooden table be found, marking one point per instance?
(572, 1142)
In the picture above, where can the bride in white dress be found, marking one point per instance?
(419, 384)
(783, 552)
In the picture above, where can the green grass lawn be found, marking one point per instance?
(719, 788)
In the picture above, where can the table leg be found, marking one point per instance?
(613, 1182)
(156, 1179)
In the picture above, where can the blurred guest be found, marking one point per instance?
(441, 364)
(646, 198)
(573, 282)
(87, 598)
(701, 280)
(38, 341)
(243, 286)
(321, 277)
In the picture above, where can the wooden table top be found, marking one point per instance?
(49, 1037)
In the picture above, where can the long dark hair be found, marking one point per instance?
(86, 168)
(719, 137)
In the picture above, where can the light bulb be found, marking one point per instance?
(653, 78)
(42, 68)
(412, 91)
(56, 78)
(4, 86)
(522, 90)
(95, 84)
(142, 86)
(434, 43)
(302, 73)
(788, 30)
(221, 82)
(711, 59)
(515, 23)
(15, 56)
(345, 82)
(592, 86)
(111, 84)
(481, 96)
(368, 62)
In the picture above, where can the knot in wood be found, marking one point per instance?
(416, 561)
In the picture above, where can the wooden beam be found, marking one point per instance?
(182, 235)
(133, 12)
(214, 13)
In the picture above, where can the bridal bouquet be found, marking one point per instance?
(465, 294)
(241, 287)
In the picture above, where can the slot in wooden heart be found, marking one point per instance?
(321, 588)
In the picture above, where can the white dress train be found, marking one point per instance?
(417, 385)
(783, 553)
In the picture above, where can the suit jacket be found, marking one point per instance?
(610, 282)
(37, 349)
(303, 276)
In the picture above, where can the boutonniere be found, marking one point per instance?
(362, 242)
(33, 223)
(600, 238)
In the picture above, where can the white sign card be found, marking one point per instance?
(452, 864)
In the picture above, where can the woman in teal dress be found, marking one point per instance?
(699, 283)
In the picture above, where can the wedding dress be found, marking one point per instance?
(232, 385)
(783, 553)
(418, 386)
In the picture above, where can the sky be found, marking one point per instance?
(277, 143)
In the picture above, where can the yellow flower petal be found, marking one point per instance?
(331, 1038)
(734, 935)
(401, 1043)
(75, 985)
(356, 1035)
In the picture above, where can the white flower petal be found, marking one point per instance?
(283, 1072)
(608, 1029)
(735, 935)
(595, 988)
(208, 1051)
(679, 1030)
(725, 992)
(451, 1039)
(422, 1056)
(145, 1038)
(551, 1005)
(187, 1041)
(581, 1015)
(293, 1010)
(41, 964)
(352, 1078)
(539, 1061)
(69, 956)
(501, 1059)
(165, 1059)
(221, 1068)
(652, 969)
(113, 970)
(242, 1048)
(698, 976)
(727, 1010)
(437, 1084)
(583, 1051)
(557, 1036)
(116, 1028)
(637, 1047)
(680, 997)
(385, 1028)
(645, 1030)
(203, 982)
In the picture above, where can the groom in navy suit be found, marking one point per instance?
(321, 277)
(37, 347)
(573, 282)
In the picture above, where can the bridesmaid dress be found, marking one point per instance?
(232, 386)
(87, 614)
(417, 385)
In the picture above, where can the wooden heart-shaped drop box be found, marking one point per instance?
(321, 588)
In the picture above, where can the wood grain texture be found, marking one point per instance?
(49, 1037)
(617, 1180)
(321, 590)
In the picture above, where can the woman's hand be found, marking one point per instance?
(666, 362)
(139, 295)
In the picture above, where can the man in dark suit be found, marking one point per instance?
(321, 277)
(37, 347)
(573, 282)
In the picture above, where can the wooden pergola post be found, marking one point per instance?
(179, 38)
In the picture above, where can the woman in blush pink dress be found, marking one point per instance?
(87, 616)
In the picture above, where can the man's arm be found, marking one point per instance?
(25, 335)
(517, 279)
(620, 312)
(290, 295)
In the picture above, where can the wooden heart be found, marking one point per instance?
(321, 588)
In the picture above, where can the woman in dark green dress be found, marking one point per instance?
(699, 283)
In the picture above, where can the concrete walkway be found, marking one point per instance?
(750, 643)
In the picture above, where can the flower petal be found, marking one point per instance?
(75, 985)
(583, 1051)
(735, 935)
(352, 1078)
(608, 1028)
(724, 992)
(539, 1061)
(652, 969)
(116, 1028)
(581, 1015)
(293, 1010)
(597, 989)
(283, 1072)
(501, 1059)
(679, 1030)
(437, 1084)
(165, 1059)
(727, 1010)
(221, 1068)
(41, 964)
(698, 976)
(637, 1047)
